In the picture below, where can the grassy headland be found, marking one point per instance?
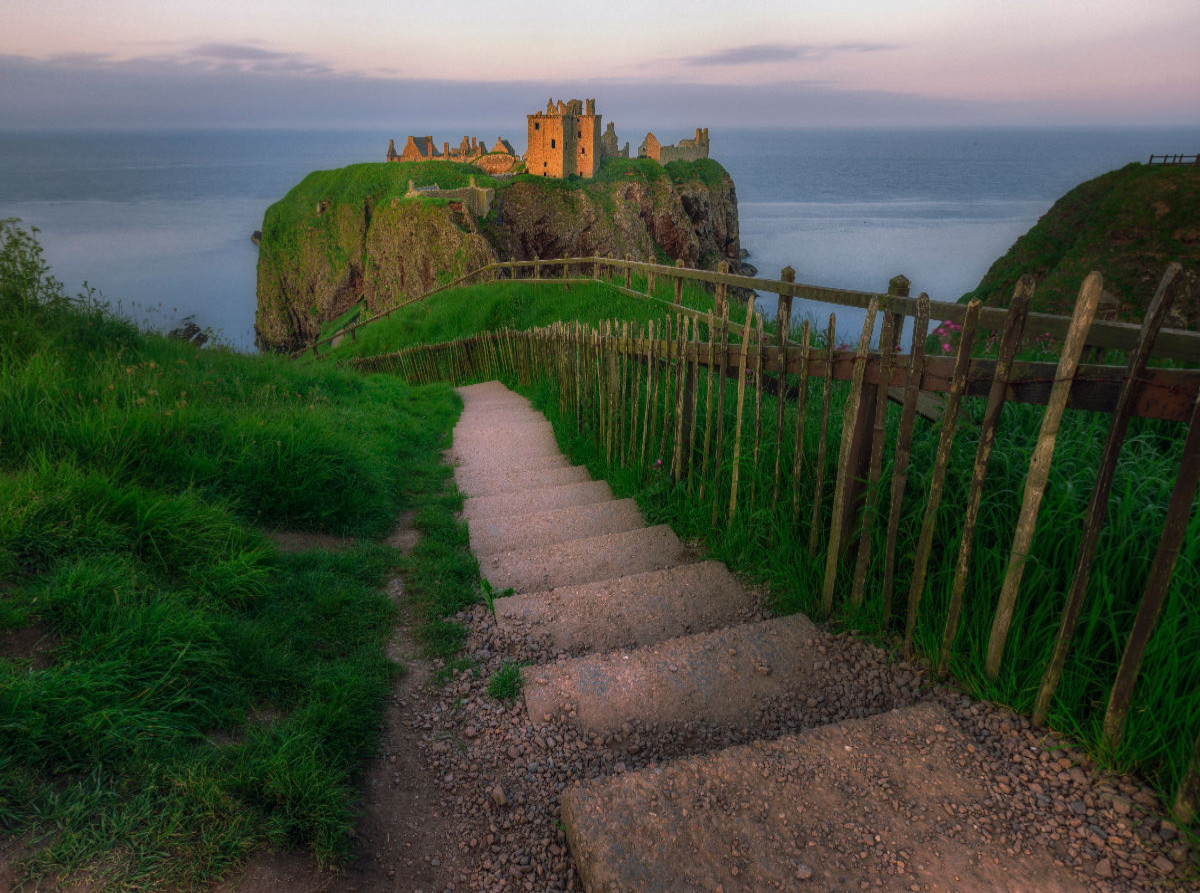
(351, 236)
(175, 693)
(1129, 224)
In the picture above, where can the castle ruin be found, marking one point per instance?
(475, 198)
(564, 140)
(685, 150)
(497, 160)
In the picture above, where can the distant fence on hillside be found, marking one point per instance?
(1173, 344)
(636, 390)
(1174, 159)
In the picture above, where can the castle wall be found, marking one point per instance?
(685, 150)
(588, 149)
(547, 155)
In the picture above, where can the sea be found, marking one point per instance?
(159, 223)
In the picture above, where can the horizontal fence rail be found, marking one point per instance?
(1174, 159)
(1171, 344)
(707, 402)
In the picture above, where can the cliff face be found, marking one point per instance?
(1128, 224)
(346, 236)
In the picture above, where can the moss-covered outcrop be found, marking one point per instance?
(352, 235)
(1128, 224)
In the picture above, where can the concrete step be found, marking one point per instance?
(501, 429)
(857, 805)
(721, 677)
(488, 484)
(500, 534)
(633, 611)
(509, 415)
(467, 451)
(528, 502)
(513, 463)
(486, 391)
(585, 560)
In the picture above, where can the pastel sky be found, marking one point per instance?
(139, 63)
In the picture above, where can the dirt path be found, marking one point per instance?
(402, 837)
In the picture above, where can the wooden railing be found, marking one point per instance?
(1172, 344)
(1174, 159)
(635, 390)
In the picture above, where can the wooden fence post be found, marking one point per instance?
(1010, 340)
(679, 283)
(1039, 469)
(537, 268)
(650, 276)
(628, 271)
(850, 433)
(916, 368)
(814, 528)
(783, 322)
(719, 419)
(860, 444)
(801, 420)
(741, 401)
(941, 462)
(1093, 521)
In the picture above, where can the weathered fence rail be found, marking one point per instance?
(1174, 159)
(635, 390)
(1171, 344)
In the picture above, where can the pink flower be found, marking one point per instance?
(946, 346)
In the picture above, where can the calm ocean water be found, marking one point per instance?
(160, 223)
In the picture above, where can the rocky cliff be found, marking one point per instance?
(341, 237)
(1128, 224)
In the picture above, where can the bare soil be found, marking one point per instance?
(35, 644)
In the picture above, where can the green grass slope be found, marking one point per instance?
(196, 695)
(1128, 224)
(519, 304)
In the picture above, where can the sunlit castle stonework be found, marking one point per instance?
(564, 140)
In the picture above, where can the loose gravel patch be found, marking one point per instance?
(500, 774)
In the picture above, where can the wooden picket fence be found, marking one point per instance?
(634, 389)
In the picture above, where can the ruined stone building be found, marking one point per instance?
(500, 158)
(565, 139)
(475, 198)
(685, 150)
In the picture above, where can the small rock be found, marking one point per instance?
(1163, 864)
(498, 796)
(762, 669)
(1104, 869)
(803, 872)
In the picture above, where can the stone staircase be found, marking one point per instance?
(655, 635)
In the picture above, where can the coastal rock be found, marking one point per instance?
(377, 249)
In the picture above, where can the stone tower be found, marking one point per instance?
(564, 140)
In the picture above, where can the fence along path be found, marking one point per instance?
(661, 639)
(633, 382)
(1172, 344)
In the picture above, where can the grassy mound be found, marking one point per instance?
(174, 692)
(1128, 224)
(520, 304)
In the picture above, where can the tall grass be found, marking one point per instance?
(203, 695)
